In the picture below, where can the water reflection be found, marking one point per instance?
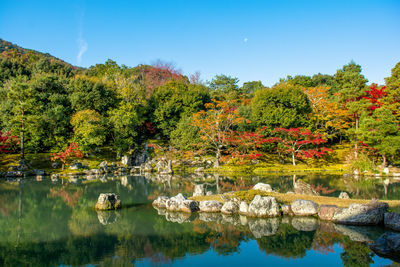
(53, 223)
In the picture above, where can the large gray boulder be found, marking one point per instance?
(263, 207)
(160, 202)
(108, 201)
(210, 206)
(303, 207)
(174, 203)
(263, 187)
(230, 207)
(126, 160)
(199, 190)
(388, 246)
(392, 220)
(361, 214)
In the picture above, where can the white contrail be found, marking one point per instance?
(83, 46)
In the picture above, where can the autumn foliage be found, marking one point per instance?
(299, 143)
(72, 151)
(6, 141)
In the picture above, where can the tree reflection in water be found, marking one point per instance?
(44, 223)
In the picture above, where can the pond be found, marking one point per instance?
(52, 223)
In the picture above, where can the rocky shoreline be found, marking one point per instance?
(304, 214)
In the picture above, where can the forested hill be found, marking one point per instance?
(10, 51)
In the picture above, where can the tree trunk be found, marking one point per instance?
(384, 161)
(293, 159)
(217, 158)
(356, 144)
(22, 137)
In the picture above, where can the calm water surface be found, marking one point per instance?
(45, 223)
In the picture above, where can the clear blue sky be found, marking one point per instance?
(251, 40)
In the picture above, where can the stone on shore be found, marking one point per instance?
(303, 207)
(230, 207)
(189, 206)
(263, 187)
(108, 201)
(286, 210)
(263, 207)
(392, 221)
(174, 203)
(326, 212)
(243, 208)
(361, 214)
(160, 202)
(210, 206)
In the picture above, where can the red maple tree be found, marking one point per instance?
(299, 143)
(6, 140)
(72, 151)
(374, 94)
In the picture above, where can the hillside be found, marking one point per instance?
(13, 51)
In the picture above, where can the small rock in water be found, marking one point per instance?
(108, 201)
(263, 187)
(344, 195)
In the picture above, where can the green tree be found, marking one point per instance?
(380, 131)
(91, 93)
(283, 106)
(352, 86)
(174, 100)
(224, 87)
(393, 91)
(89, 131)
(185, 136)
(125, 120)
(18, 97)
(249, 88)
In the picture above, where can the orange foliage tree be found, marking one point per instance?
(327, 116)
(216, 126)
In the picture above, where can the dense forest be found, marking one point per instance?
(47, 104)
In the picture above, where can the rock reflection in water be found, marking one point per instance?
(107, 217)
(305, 224)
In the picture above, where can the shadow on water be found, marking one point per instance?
(52, 223)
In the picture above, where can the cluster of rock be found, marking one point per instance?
(373, 213)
